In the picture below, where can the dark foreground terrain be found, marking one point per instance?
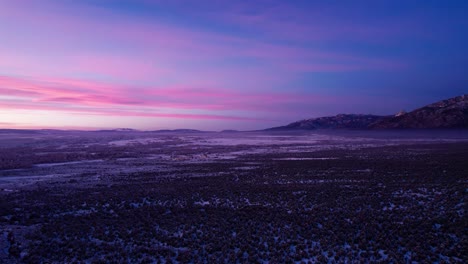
(232, 199)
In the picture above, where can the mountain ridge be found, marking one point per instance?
(444, 114)
(340, 121)
(448, 113)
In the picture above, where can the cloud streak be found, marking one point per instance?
(163, 43)
(109, 99)
(222, 60)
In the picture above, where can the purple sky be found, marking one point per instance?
(218, 64)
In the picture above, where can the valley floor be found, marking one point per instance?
(232, 198)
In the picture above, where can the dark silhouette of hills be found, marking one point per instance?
(449, 113)
(341, 121)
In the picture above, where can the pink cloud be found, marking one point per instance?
(116, 112)
(7, 124)
(96, 98)
(111, 63)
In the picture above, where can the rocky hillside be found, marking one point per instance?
(349, 121)
(450, 113)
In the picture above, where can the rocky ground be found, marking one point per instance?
(232, 199)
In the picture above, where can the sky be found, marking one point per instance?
(223, 64)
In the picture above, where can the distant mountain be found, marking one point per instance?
(229, 131)
(118, 130)
(450, 113)
(125, 130)
(18, 131)
(176, 131)
(341, 121)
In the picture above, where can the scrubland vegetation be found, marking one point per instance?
(386, 203)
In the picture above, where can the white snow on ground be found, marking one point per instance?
(136, 141)
(232, 142)
(202, 203)
(312, 139)
(263, 140)
(67, 163)
(246, 168)
(325, 158)
(31, 178)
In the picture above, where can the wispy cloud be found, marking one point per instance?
(110, 99)
(220, 60)
(166, 46)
